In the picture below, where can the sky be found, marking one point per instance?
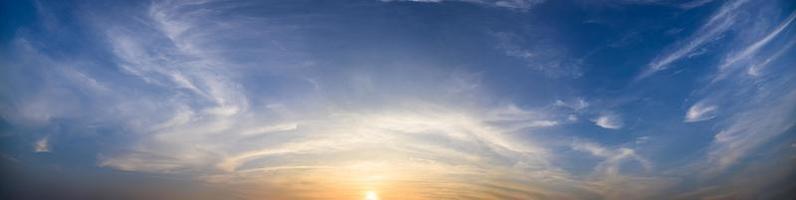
(398, 99)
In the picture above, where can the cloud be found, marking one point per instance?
(642, 140)
(694, 4)
(42, 145)
(679, 4)
(407, 144)
(608, 121)
(700, 112)
(193, 91)
(548, 57)
(752, 49)
(543, 123)
(750, 129)
(515, 118)
(572, 118)
(614, 177)
(755, 69)
(351, 125)
(511, 4)
(719, 22)
(767, 174)
(613, 157)
(759, 111)
(576, 105)
(516, 4)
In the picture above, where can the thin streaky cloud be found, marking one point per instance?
(718, 23)
(755, 69)
(425, 99)
(753, 48)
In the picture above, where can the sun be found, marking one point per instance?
(371, 195)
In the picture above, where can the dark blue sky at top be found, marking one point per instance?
(72, 75)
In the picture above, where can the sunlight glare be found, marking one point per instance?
(371, 195)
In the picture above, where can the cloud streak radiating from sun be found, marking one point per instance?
(392, 99)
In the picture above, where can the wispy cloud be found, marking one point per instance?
(701, 112)
(613, 157)
(408, 135)
(576, 105)
(42, 145)
(757, 68)
(679, 4)
(694, 4)
(750, 129)
(542, 55)
(758, 112)
(511, 4)
(515, 118)
(718, 23)
(752, 49)
(608, 121)
(282, 104)
(613, 177)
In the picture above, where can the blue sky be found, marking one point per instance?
(396, 99)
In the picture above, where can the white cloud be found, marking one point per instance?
(543, 123)
(753, 113)
(751, 50)
(548, 57)
(750, 129)
(42, 145)
(701, 112)
(755, 69)
(719, 22)
(199, 119)
(613, 157)
(694, 4)
(516, 4)
(515, 118)
(576, 105)
(572, 118)
(511, 4)
(613, 180)
(642, 140)
(609, 121)
(755, 47)
(208, 125)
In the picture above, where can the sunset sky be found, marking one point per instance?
(398, 99)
